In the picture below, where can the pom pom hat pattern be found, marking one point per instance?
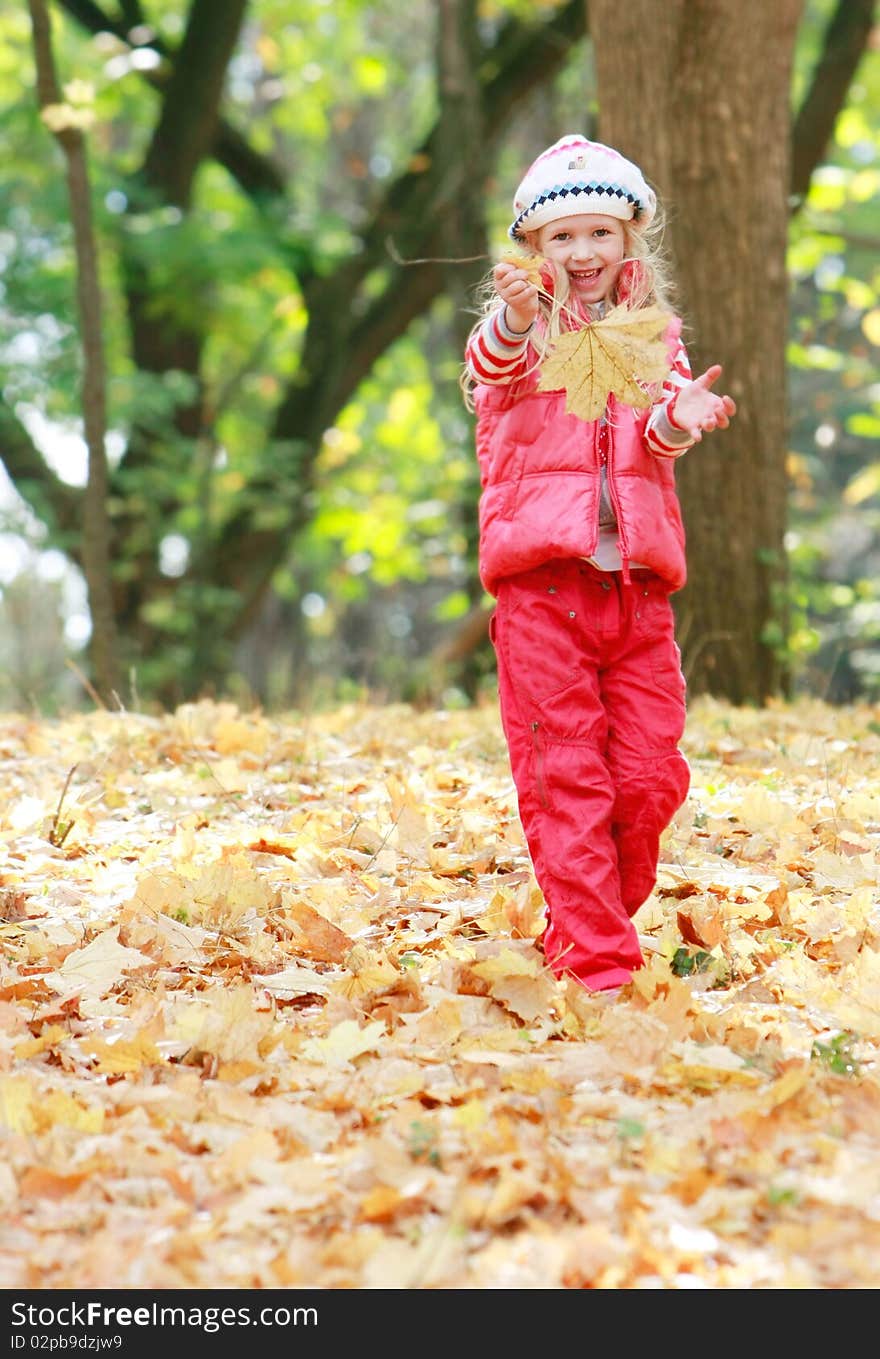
(575, 175)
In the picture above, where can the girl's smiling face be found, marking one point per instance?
(590, 247)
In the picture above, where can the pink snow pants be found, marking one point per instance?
(593, 706)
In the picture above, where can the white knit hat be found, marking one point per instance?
(575, 175)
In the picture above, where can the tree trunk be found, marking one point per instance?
(697, 92)
(96, 523)
(464, 235)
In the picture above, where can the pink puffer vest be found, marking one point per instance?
(540, 470)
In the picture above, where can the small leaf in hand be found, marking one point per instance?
(530, 264)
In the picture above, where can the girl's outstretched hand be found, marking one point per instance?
(696, 408)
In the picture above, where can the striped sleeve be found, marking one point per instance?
(495, 354)
(662, 435)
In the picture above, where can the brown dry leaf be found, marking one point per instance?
(312, 933)
(624, 355)
(39, 1181)
(701, 922)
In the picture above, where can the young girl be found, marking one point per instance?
(581, 543)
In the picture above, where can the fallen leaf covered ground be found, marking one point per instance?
(273, 1013)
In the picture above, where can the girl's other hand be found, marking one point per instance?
(521, 296)
(696, 408)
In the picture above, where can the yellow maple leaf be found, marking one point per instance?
(471, 1116)
(506, 964)
(344, 1042)
(367, 971)
(624, 355)
(59, 1109)
(16, 1098)
(124, 1056)
(51, 1036)
(232, 735)
(527, 997)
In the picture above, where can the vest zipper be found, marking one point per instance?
(621, 536)
(538, 747)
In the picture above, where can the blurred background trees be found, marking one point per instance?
(293, 203)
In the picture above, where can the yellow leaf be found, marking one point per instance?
(624, 355)
(508, 964)
(234, 734)
(711, 1064)
(530, 264)
(51, 1036)
(239, 1159)
(225, 1024)
(61, 1110)
(15, 1104)
(527, 1080)
(228, 889)
(527, 997)
(381, 1203)
(863, 486)
(510, 1195)
(344, 1042)
(125, 1056)
(472, 1115)
(368, 971)
(787, 1086)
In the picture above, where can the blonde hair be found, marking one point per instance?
(646, 282)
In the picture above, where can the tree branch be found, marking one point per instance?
(846, 39)
(54, 503)
(255, 174)
(95, 541)
(526, 56)
(191, 101)
(341, 342)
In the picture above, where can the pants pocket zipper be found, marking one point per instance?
(538, 746)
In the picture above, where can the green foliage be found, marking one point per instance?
(423, 1143)
(837, 1055)
(835, 398)
(780, 1196)
(685, 963)
(340, 96)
